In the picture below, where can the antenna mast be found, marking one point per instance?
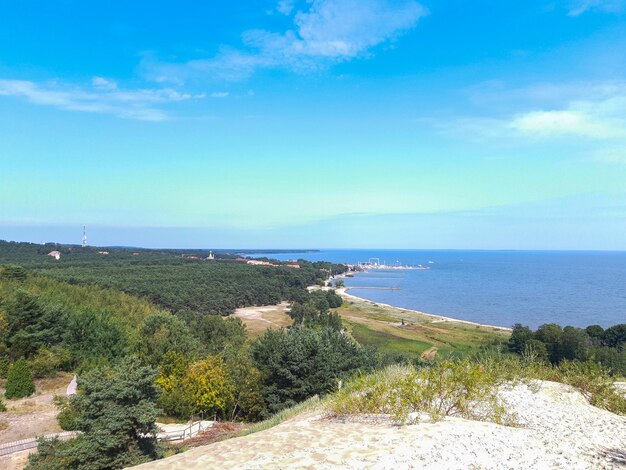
(84, 236)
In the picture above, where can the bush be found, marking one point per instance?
(5, 363)
(52, 454)
(68, 413)
(449, 388)
(3, 406)
(19, 380)
(48, 361)
(590, 378)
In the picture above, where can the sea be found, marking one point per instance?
(501, 288)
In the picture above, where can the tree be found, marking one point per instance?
(595, 331)
(116, 413)
(551, 335)
(117, 416)
(301, 362)
(201, 386)
(575, 344)
(174, 399)
(209, 387)
(216, 334)
(19, 380)
(93, 334)
(163, 332)
(615, 336)
(519, 336)
(247, 385)
(32, 325)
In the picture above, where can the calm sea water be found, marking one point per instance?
(496, 287)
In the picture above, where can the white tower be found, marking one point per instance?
(84, 236)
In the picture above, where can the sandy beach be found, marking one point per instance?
(433, 318)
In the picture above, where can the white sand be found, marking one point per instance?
(558, 429)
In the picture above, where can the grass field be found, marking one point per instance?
(420, 334)
(382, 326)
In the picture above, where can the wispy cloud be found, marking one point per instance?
(578, 7)
(328, 32)
(104, 97)
(566, 123)
(285, 6)
(220, 94)
(592, 111)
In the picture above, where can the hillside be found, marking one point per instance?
(556, 428)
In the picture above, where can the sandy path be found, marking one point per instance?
(259, 319)
(559, 429)
(36, 415)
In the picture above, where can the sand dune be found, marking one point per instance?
(558, 428)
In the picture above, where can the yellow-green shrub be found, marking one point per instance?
(449, 388)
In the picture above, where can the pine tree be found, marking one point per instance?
(19, 381)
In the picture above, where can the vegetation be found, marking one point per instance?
(174, 280)
(555, 344)
(299, 363)
(449, 388)
(19, 381)
(166, 345)
(116, 414)
(400, 332)
(467, 388)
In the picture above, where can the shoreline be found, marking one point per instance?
(343, 291)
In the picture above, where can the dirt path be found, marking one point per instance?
(35, 415)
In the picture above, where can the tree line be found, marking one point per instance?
(551, 342)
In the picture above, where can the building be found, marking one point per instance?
(55, 254)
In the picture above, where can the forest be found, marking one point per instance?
(180, 281)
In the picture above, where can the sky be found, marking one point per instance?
(314, 123)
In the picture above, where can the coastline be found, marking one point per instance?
(343, 291)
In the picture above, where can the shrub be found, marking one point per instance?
(19, 380)
(449, 388)
(48, 361)
(591, 379)
(3, 406)
(5, 363)
(68, 413)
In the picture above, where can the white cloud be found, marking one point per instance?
(219, 94)
(103, 97)
(578, 7)
(103, 83)
(330, 31)
(285, 6)
(563, 123)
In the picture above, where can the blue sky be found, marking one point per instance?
(320, 123)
